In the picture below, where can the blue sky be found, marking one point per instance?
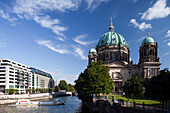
(56, 35)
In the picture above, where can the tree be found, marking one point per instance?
(133, 87)
(16, 91)
(33, 90)
(57, 89)
(158, 87)
(70, 88)
(63, 85)
(10, 91)
(37, 90)
(94, 80)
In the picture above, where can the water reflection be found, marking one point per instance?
(72, 105)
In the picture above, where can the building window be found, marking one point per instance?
(125, 57)
(103, 56)
(5, 61)
(102, 43)
(118, 57)
(146, 72)
(2, 67)
(42, 83)
(2, 74)
(2, 77)
(110, 55)
(114, 56)
(2, 70)
(2, 81)
(151, 72)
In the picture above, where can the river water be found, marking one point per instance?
(72, 105)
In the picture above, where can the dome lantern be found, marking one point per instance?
(111, 28)
(92, 50)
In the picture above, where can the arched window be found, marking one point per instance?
(150, 51)
(144, 52)
(110, 55)
(103, 56)
(102, 43)
(114, 56)
(117, 56)
(125, 57)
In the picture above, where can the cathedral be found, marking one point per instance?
(114, 51)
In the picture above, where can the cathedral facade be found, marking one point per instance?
(114, 51)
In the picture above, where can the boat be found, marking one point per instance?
(26, 102)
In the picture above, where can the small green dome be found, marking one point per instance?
(148, 40)
(111, 38)
(92, 50)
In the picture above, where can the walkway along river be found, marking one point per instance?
(72, 105)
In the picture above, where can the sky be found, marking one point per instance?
(56, 35)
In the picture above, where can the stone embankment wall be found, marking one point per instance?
(10, 99)
(102, 106)
(23, 96)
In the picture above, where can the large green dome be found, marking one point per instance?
(112, 38)
(148, 40)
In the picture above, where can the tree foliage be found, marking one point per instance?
(133, 87)
(63, 85)
(158, 87)
(57, 89)
(11, 91)
(70, 87)
(94, 80)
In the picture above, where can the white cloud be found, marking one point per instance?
(52, 24)
(168, 33)
(80, 52)
(158, 10)
(59, 38)
(167, 53)
(76, 52)
(93, 4)
(79, 37)
(139, 40)
(34, 7)
(50, 45)
(36, 10)
(7, 17)
(59, 75)
(168, 43)
(141, 26)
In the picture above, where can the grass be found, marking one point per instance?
(137, 100)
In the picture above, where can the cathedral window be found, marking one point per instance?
(118, 57)
(151, 72)
(110, 55)
(125, 57)
(146, 72)
(103, 56)
(114, 56)
(144, 52)
(102, 43)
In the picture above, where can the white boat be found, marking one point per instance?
(39, 103)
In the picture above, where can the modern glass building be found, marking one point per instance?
(14, 75)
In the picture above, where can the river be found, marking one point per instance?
(72, 105)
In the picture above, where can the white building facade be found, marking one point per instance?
(15, 75)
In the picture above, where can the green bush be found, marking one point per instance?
(16, 91)
(10, 91)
